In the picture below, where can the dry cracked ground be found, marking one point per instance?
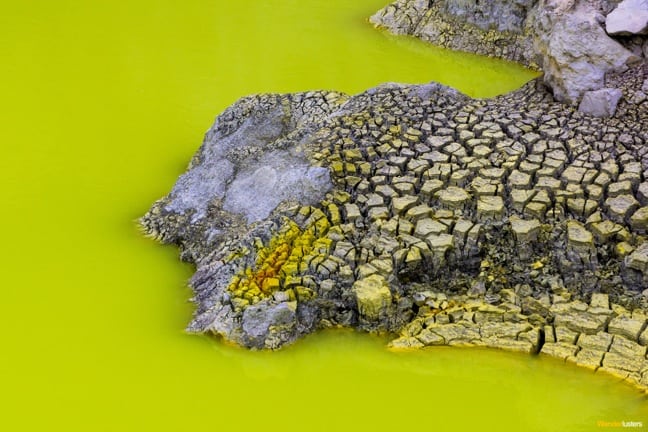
(513, 222)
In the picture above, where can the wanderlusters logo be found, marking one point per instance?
(619, 424)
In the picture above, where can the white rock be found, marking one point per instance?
(576, 52)
(600, 103)
(630, 17)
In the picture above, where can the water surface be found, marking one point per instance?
(104, 103)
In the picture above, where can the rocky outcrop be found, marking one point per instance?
(501, 15)
(248, 165)
(420, 189)
(575, 51)
(567, 39)
(245, 165)
(493, 28)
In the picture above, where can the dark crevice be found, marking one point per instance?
(541, 341)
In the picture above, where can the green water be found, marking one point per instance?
(103, 104)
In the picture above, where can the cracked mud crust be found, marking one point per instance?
(513, 222)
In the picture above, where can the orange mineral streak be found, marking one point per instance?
(282, 258)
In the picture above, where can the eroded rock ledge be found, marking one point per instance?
(416, 209)
(600, 336)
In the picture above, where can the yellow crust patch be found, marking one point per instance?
(287, 255)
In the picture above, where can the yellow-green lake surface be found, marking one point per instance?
(103, 104)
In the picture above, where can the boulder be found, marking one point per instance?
(575, 51)
(600, 103)
(242, 165)
(629, 18)
(372, 296)
(262, 320)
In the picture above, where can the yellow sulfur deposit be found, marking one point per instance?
(289, 253)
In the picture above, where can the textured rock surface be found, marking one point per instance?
(373, 297)
(495, 28)
(517, 203)
(235, 167)
(566, 39)
(502, 15)
(610, 346)
(600, 103)
(575, 51)
(628, 18)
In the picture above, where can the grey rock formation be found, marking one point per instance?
(630, 17)
(493, 28)
(501, 15)
(576, 52)
(564, 38)
(269, 325)
(600, 103)
(251, 164)
(260, 186)
(235, 166)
